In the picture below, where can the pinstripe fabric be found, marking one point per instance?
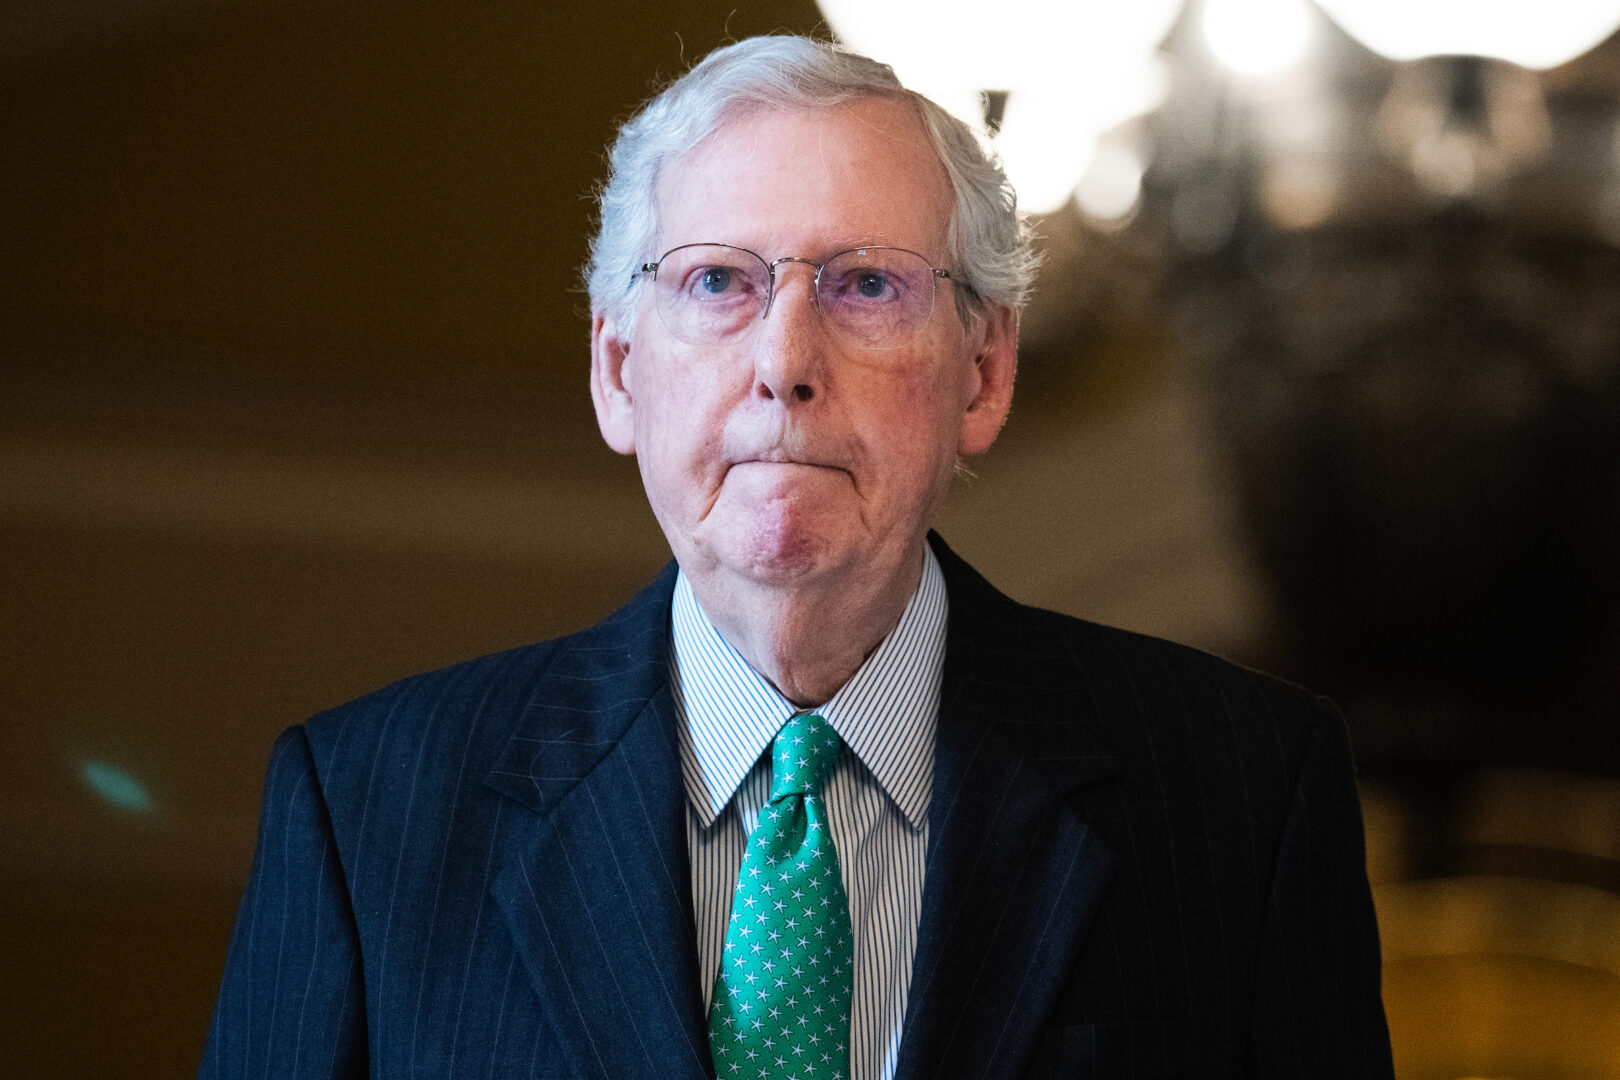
(877, 796)
(1142, 861)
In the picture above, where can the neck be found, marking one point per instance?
(809, 638)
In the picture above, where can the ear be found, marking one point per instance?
(610, 385)
(995, 362)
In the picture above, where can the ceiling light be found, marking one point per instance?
(1257, 37)
(1538, 35)
(1070, 71)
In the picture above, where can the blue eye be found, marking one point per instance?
(871, 285)
(716, 279)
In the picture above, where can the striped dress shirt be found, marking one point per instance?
(877, 796)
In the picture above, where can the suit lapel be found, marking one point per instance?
(595, 884)
(1013, 876)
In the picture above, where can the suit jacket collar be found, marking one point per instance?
(597, 886)
(594, 689)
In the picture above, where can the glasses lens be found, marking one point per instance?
(877, 297)
(709, 292)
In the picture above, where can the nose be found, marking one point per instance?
(790, 346)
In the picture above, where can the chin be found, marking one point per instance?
(776, 550)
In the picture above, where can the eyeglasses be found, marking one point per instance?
(871, 297)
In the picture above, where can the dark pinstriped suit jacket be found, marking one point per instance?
(1142, 862)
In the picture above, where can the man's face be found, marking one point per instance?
(788, 455)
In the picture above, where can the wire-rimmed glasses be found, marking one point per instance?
(872, 297)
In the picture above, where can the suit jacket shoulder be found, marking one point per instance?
(1123, 677)
(459, 721)
(1233, 913)
(376, 935)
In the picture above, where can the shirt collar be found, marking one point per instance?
(887, 713)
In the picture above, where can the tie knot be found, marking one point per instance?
(803, 755)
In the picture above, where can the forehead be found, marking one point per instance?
(807, 181)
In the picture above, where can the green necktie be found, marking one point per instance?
(781, 999)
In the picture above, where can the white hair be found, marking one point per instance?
(988, 242)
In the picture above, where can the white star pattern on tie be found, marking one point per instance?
(782, 997)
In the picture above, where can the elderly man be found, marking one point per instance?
(819, 802)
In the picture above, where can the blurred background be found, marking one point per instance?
(1323, 374)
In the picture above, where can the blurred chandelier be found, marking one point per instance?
(1030, 70)
(1022, 71)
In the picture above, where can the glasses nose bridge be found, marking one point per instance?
(815, 281)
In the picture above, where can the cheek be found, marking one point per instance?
(918, 429)
(933, 406)
(679, 432)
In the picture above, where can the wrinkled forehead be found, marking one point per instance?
(813, 179)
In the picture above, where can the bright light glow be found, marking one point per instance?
(1043, 150)
(1111, 185)
(1049, 135)
(1257, 37)
(1533, 35)
(1072, 69)
(1015, 45)
(115, 786)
